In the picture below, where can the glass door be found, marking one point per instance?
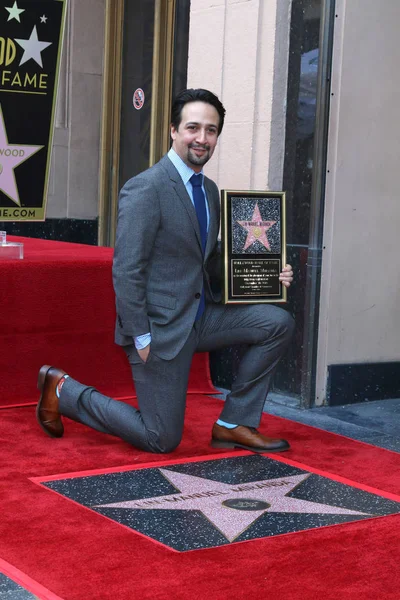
(137, 88)
(145, 60)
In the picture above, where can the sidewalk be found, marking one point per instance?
(376, 423)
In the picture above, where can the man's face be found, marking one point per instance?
(197, 135)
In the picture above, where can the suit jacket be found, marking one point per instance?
(159, 268)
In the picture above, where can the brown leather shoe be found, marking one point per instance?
(245, 437)
(47, 412)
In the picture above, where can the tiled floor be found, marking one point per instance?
(376, 423)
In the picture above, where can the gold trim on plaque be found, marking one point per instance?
(225, 257)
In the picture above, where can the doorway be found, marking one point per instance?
(145, 64)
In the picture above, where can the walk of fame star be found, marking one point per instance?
(14, 12)
(33, 48)
(257, 229)
(211, 499)
(11, 155)
(219, 501)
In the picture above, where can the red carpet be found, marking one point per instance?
(80, 555)
(57, 307)
(25, 582)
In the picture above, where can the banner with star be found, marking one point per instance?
(253, 237)
(31, 33)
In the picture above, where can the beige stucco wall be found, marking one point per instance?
(239, 50)
(360, 296)
(74, 176)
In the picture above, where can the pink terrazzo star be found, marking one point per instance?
(11, 155)
(212, 499)
(257, 229)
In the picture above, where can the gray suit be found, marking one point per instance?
(159, 266)
(159, 270)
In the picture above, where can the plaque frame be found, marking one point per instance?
(228, 256)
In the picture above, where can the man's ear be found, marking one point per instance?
(173, 132)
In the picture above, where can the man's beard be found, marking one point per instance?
(198, 160)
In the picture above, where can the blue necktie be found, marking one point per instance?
(200, 206)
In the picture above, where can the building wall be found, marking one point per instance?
(73, 189)
(360, 295)
(239, 50)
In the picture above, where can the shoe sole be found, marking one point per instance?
(40, 385)
(233, 445)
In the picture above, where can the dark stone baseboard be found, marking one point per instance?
(352, 383)
(80, 231)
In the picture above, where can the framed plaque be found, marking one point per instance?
(253, 239)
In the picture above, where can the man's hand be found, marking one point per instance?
(286, 277)
(144, 354)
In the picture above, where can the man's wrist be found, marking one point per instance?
(142, 341)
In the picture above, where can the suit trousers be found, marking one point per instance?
(161, 385)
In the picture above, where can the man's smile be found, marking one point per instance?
(199, 148)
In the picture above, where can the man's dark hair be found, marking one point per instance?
(195, 95)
